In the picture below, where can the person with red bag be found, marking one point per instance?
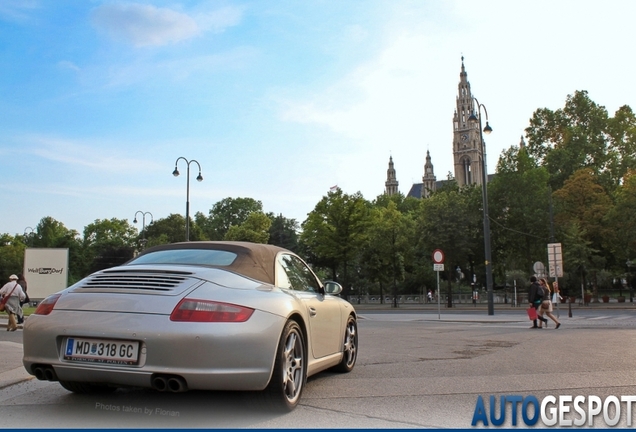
(535, 297)
(12, 294)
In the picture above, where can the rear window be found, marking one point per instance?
(205, 257)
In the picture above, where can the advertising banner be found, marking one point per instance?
(46, 271)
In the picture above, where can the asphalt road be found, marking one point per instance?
(414, 370)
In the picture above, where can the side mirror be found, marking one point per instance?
(333, 288)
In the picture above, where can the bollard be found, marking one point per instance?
(570, 308)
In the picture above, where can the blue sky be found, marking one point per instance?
(277, 100)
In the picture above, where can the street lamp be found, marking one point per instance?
(199, 178)
(484, 192)
(29, 235)
(143, 225)
(630, 280)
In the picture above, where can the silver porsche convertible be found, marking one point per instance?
(195, 315)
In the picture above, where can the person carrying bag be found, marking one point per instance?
(12, 294)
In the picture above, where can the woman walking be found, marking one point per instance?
(546, 304)
(12, 294)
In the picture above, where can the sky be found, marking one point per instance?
(275, 100)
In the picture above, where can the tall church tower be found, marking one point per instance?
(391, 183)
(467, 153)
(429, 182)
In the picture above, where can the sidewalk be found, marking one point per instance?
(11, 369)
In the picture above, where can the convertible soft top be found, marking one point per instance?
(254, 260)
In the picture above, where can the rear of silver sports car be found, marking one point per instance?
(168, 330)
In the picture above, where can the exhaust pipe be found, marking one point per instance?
(44, 373)
(177, 384)
(49, 374)
(159, 383)
(39, 373)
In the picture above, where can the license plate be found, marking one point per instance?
(104, 351)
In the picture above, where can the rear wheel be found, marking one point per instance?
(350, 347)
(290, 369)
(86, 388)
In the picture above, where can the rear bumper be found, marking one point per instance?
(209, 356)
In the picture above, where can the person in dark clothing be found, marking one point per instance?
(23, 283)
(535, 297)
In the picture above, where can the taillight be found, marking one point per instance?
(192, 310)
(46, 306)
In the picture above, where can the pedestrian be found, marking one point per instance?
(23, 283)
(546, 304)
(13, 294)
(535, 297)
(430, 296)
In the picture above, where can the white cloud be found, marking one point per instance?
(87, 155)
(219, 20)
(144, 25)
(147, 25)
(17, 10)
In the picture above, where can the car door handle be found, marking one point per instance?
(312, 311)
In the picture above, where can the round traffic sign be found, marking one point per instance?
(438, 256)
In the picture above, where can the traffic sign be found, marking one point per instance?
(438, 267)
(438, 256)
(555, 259)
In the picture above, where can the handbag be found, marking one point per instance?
(532, 313)
(545, 304)
(26, 299)
(5, 299)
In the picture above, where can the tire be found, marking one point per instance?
(290, 370)
(349, 348)
(86, 388)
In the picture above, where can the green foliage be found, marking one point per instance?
(11, 256)
(582, 200)
(334, 232)
(108, 242)
(171, 230)
(284, 232)
(450, 220)
(226, 213)
(620, 220)
(519, 211)
(581, 135)
(255, 229)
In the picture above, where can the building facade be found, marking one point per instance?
(467, 151)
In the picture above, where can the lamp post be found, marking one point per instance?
(484, 191)
(143, 225)
(199, 178)
(628, 276)
(28, 236)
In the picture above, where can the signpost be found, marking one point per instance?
(555, 268)
(438, 266)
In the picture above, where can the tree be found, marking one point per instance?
(577, 137)
(108, 242)
(621, 222)
(50, 233)
(449, 221)
(255, 229)
(519, 211)
(584, 201)
(11, 256)
(334, 232)
(171, 230)
(621, 132)
(578, 254)
(226, 213)
(283, 232)
(388, 246)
